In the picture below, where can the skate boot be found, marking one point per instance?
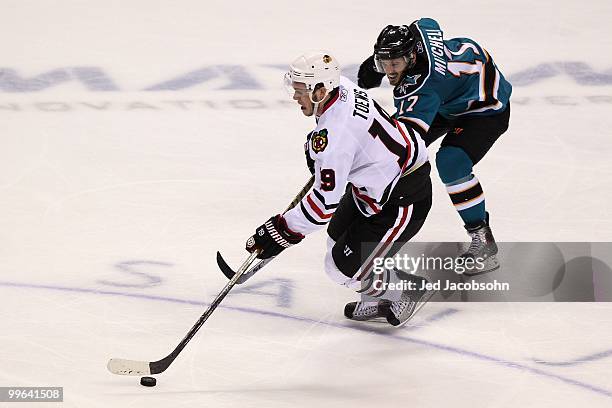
(363, 311)
(482, 247)
(401, 311)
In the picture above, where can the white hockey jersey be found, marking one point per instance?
(355, 142)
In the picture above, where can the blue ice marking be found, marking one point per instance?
(577, 361)
(93, 78)
(580, 72)
(238, 77)
(429, 344)
(283, 295)
(431, 319)
(149, 279)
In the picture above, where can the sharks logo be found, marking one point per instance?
(408, 81)
(411, 80)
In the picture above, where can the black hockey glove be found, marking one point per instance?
(272, 238)
(309, 162)
(368, 77)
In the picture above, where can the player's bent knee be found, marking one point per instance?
(333, 271)
(453, 164)
(331, 268)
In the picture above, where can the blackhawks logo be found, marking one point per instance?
(319, 141)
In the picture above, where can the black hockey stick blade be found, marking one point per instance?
(225, 268)
(229, 272)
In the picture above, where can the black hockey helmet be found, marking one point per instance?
(394, 42)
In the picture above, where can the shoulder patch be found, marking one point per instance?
(343, 94)
(419, 47)
(411, 80)
(319, 141)
(409, 84)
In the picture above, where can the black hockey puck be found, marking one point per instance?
(148, 381)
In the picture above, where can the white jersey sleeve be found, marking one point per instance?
(333, 156)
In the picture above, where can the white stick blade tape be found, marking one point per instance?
(128, 367)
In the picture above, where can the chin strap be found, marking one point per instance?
(315, 109)
(315, 106)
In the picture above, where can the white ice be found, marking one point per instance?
(113, 204)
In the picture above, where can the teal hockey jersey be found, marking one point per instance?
(453, 77)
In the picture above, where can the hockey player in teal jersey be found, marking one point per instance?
(452, 88)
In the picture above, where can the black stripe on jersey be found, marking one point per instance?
(466, 195)
(309, 217)
(489, 83)
(415, 145)
(412, 126)
(322, 200)
(383, 113)
(333, 96)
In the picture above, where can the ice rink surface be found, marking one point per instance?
(140, 137)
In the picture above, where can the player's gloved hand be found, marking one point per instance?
(309, 162)
(368, 77)
(272, 238)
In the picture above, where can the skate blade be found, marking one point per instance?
(424, 299)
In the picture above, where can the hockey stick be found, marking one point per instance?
(229, 272)
(133, 367)
(138, 368)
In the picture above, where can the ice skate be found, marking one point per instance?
(482, 247)
(411, 301)
(363, 311)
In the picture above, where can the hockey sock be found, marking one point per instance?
(468, 199)
(455, 170)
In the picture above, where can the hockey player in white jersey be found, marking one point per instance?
(372, 186)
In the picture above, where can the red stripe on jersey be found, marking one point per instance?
(316, 209)
(329, 103)
(413, 125)
(368, 200)
(390, 239)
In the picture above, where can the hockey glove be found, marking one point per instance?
(272, 238)
(309, 162)
(368, 77)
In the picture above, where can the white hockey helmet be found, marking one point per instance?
(312, 68)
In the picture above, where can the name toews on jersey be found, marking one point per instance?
(355, 142)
